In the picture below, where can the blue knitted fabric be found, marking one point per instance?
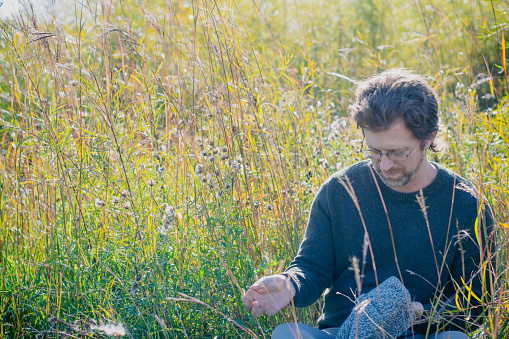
(383, 312)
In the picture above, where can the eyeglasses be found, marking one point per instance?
(394, 156)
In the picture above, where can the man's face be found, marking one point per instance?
(402, 175)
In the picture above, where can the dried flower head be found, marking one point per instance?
(225, 149)
(160, 170)
(198, 169)
(169, 218)
(235, 165)
(124, 193)
(170, 211)
(127, 205)
(151, 182)
(110, 329)
(134, 289)
(224, 156)
(99, 203)
(204, 179)
(114, 199)
(217, 150)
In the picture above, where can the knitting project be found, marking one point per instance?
(383, 312)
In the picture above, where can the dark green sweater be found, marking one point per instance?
(429, 259)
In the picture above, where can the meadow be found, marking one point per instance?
(157, 157)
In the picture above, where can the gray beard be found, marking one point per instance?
(403, 180)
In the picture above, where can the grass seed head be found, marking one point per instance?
(99, 203)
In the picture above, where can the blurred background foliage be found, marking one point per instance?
(157, 157)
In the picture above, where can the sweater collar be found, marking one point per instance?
(437, 183)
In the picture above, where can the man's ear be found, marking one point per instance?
(431, 139)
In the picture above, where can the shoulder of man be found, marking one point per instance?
(464, 189)
(343, 180)
(352, 172)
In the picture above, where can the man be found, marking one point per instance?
(394, 215)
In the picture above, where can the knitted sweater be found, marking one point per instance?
(426, 259)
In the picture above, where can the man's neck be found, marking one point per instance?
(422, 179)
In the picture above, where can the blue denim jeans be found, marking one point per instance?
(302, 331)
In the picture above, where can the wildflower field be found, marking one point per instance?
(158, 156)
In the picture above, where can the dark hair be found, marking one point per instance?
(394, 95)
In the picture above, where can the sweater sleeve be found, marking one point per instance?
(311, 270)
(471, 273)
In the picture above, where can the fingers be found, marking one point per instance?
(270, 283)
(257, 310)
(418, 309)
(248, 299)
(256, 307)
(258, 286)
(270, 311)
(264, 295)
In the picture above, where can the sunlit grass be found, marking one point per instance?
(156, 158)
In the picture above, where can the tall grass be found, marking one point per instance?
(157, 157)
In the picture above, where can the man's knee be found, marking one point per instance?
(450, 335)
(284, 331)
(294, 331)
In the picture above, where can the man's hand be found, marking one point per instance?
(269, 295)
(418, 309)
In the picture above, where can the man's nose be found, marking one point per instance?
(386, 163)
